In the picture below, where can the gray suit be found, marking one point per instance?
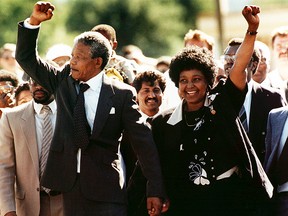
(275, 126)
(19, 161)
(276, 121)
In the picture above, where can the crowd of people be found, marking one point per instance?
(86, 131)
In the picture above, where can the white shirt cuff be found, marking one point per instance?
(26, 24)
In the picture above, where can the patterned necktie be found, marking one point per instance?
(46, 140)
(81, 127)
(243, 118)
(282, 164)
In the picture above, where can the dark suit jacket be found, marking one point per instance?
(262, 102)
(100, 176)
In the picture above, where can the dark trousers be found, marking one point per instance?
(280, 204)
(75, 204)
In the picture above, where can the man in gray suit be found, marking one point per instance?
(21, 142)
(89, 172)
(276, 140)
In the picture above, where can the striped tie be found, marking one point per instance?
(243, 118)
(46, 140)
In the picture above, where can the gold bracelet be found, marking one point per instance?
(251, 32)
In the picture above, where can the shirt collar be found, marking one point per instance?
(250, 86)
(176, 116)
(95, 81)
(38, 107)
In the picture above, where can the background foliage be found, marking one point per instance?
(156, 26)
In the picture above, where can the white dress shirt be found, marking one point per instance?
(39, 116)
(247, 101)
(91, 96)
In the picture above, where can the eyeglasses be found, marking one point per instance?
(281, 47)
(6, 89)
(228, 59)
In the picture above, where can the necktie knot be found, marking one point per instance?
(84, 87)
(46, 109)
(149, 120)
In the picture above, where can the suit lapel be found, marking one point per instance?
(256, 104)
(72, 86)
(278, 122)
(278, 126)
(29, 133)
(104, 106)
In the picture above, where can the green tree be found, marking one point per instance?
(157, 27)
(12, 11)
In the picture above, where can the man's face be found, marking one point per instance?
(39, 94)
(6, 87)
(280, 49)
(150, 98)
(229, 58)
(83, 67)
(262, 70)
(23, 97)
(61, 60)
(7, 61)
(6, 94)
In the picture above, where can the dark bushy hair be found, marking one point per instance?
(149, 77)
(191, 58)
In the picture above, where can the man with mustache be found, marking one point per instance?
(22, 137)
(149, 86)
(279, 75)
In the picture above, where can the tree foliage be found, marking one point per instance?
(12, 11)
(157, 27)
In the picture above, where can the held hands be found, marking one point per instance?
(42, 11)
(250, 13)
(154, 206)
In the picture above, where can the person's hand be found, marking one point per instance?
(154, 206)
(13, 213)
(42, 11)
(6, 100)
(165, 206)
(250, 13)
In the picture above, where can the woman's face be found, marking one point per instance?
(193, 88)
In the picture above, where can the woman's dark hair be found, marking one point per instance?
(191, 58)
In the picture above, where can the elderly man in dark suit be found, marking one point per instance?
(259, 100)
(84, 160)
